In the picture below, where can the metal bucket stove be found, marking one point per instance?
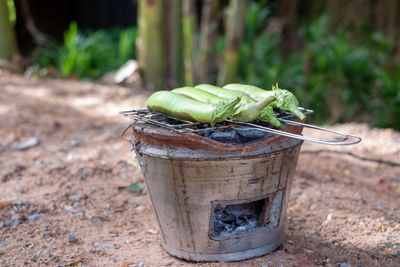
(218, 196)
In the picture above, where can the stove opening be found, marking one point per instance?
(230, 219)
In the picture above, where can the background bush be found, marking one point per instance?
(90, 54)
(341, 76)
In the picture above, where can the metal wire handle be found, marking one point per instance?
(336, 142)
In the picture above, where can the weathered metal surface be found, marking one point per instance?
(185, 174)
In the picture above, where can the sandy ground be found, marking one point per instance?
(60, 203)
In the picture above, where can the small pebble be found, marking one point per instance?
(308, 251)
(75, 197)
(28, 143)
(369, 247)
(77, 204)
(34, 252)
(11, 212)
(71, 238)
(46, 224)
(388, 244)
(326, 177)
(315, 237)
(125, 176)
(51, 256)
(112, 235)
(48, 232)
(152, 231)
(69, 208)
(57, 167)
(308, 232)
(344, 265)
(337, 224)
(140, 208)
(110, 246)
(14, 223)
(290, 242)
(381, 206)
(73, 142)
(96, 220)
(328, 220)
(114, 260)
(108, 213)
(33, 215)
(98, 244)
(5, 177)
(396, 254)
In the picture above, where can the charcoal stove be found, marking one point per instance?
(220, 193)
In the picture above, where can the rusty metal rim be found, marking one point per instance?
(224, 257)
(219, 157)
(159, 137)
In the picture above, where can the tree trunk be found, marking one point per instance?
(206, 65)
(150, 46)
(386, 18)
(174, 43)
(8, 45)
(188, 40)
(290, 41)
(234, 37)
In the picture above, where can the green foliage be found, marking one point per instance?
(340, 76)
(11, 11)
(261, 63)
(89, 55)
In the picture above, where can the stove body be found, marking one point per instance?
(216, 201)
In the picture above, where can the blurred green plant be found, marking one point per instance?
(11, 11)
(88, 55)
(261, 62)
(340, 76)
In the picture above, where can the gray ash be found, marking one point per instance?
(228, 221)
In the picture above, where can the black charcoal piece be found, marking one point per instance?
(228, 136)
(246, 136)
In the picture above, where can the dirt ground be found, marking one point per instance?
(62, 161)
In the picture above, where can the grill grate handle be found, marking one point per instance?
(347, 139)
